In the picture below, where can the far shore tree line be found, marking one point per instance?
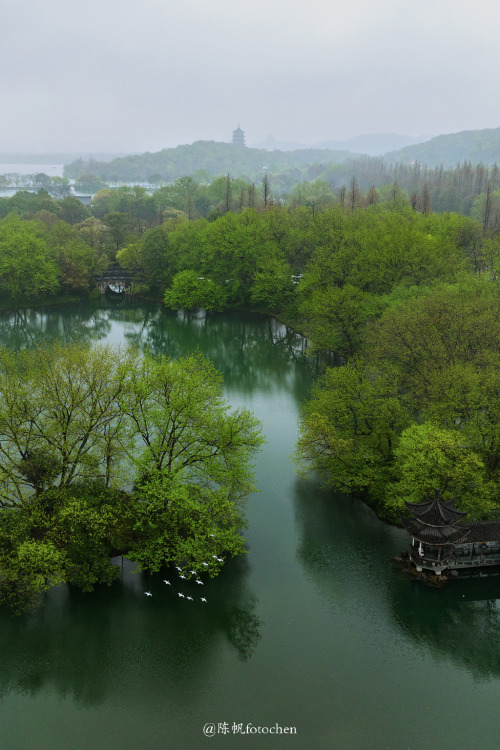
(50, 246)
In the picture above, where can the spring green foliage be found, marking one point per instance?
(428, 456)
(80, 426)
(418, 409)
(406, 296)
(192, 291)
(26, 265)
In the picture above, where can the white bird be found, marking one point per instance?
(167, 582)
(194, 573)
(220, 559)
(148, 593)
(189, 597)
(211, 535)
(215, 557)
(179, 569)
(182, 596)
(200, 582)
(203, 599)
(181, 576)
(205, 564)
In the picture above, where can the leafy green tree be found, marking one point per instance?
(26, 265)
(77, 261)
(191, 291)
(59, 417)
(62, 537)
(77, 422)
(73, 210)
(338, 316)
(194, 468)
(148, 256)
(349, 427)
(120, 228)
(273, 284)
(429, 458)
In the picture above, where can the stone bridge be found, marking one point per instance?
(120, 280)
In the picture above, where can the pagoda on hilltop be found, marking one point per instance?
(238, 137)
(442, 539)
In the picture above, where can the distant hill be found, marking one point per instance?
(476, 146)
(372, 144)
(212, 157)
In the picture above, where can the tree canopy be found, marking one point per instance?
(104, 451)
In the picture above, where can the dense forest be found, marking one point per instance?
(407, 297)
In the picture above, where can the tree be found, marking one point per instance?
(429, 458)
(73, 210)
(191, 291)
(26, 265)
(266, 190)
(337, 317)
(148, 255)
(79, 426)
(194, 467)
(60, 420)
(273, 284)
(349, 427)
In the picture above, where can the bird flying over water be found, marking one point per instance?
(203, 599)
(181, 576)
(167, 582)
(148, 593)
(182, 596)
(200, 582)
(190, 598)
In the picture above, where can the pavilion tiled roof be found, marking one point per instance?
(483, 531)
(439, 523)
(437, 535)
(435, 512)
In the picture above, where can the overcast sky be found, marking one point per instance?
(141, 75)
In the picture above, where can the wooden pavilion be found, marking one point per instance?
(443, 540)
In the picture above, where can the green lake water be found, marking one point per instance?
(312, 630)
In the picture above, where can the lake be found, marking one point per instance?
(313, 631)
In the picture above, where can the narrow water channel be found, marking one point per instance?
(313, 630)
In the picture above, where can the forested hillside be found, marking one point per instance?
(209, 157)
(475, 146)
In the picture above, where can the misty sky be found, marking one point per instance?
(142, 75)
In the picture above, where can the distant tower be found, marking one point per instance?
(238, 137)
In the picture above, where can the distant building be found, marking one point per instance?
(238, 137)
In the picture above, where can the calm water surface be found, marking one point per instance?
(312, 629)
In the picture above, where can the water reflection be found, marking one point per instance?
(249, 353)
(347, 552)
(88, 646)
(460, 622)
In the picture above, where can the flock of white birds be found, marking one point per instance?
(191, 573)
